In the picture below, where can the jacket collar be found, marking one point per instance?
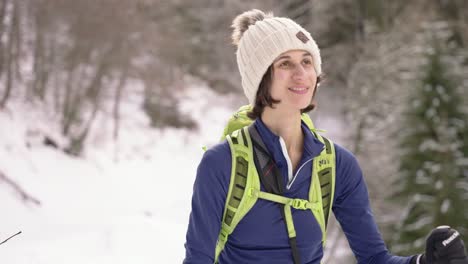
(312, 146)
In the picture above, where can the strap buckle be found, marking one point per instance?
(300, 204)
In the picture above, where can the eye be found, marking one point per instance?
(307, 61)
(284, 64)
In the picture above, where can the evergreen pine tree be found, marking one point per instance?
(433, 180)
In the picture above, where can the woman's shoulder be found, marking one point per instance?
(217, 154)
(215, 165)
(347, 165)
(344, 156)
(216, 160)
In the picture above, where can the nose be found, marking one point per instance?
(299, 72)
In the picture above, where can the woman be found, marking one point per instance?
(280, 66)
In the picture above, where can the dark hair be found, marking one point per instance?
(263, 97)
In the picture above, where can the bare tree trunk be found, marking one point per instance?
(117, 98)
(116, 110)
(3, 5)
(17, 38)
(56, 85)
(38, 57)
(76, 145)
(66, 102)
(92, 92)
(72, 98)
(10, 57)
(42, 51)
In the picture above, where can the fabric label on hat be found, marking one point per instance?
(300, 35)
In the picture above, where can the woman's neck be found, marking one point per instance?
(285, 125)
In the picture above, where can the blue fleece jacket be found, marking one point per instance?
(261, 236)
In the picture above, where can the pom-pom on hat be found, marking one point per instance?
(260, 38)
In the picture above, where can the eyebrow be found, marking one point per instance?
(288, 57)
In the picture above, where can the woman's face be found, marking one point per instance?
(293, 79)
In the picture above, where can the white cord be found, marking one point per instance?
(417, 260)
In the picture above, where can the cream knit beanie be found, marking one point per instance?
(260, 38)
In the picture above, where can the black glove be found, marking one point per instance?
(444, 246)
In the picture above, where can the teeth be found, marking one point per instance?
(298, 89)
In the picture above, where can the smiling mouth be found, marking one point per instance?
(299, 90)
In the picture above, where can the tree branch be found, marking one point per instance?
(25, 197)
(10, 237)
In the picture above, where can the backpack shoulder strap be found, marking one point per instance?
(238, 201)
(324, 173)
(327, 179)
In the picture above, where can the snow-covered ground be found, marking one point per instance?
(124, 201)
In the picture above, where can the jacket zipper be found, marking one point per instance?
(289, 164)
(297, 172)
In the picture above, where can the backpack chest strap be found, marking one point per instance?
(300, 204)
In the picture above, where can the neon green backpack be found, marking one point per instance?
(244, 187)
